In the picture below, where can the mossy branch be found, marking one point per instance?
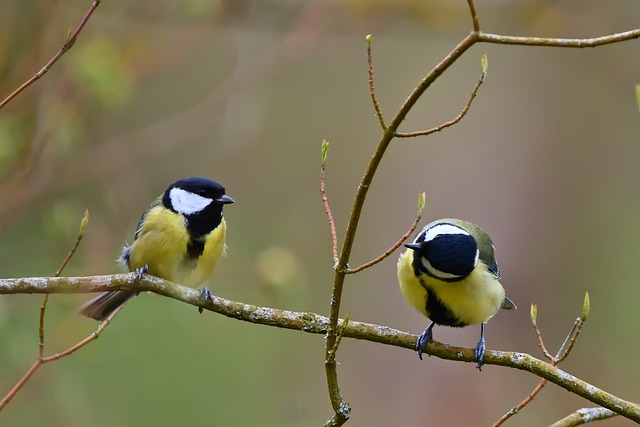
(317, 324)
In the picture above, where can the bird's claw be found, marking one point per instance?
(423, 339)
(207, 296)
(141, 271)
(478, 354)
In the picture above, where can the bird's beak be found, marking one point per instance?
(225, 200)
(413, 246)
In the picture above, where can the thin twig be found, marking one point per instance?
(325, 201)
(343, 326)
(421, 204)
(43, 308)
(534, 309)
(569, 341)
(93, 336)
(40, 360)
(464, 111)
(83, 227)
(65, 47)
(563, 352)
(474, 16)
(372, 90)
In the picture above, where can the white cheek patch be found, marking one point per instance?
(443, 228)
(437, 273)
(186, 202)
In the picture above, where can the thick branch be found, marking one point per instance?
(317, 324)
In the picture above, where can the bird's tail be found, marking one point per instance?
(508, 304)
(103, 305)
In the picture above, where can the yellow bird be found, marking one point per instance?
(450, 275)
(180, 238)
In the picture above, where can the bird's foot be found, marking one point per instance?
(423, 339)
(478, 354)
(141, 272)
(207, 296)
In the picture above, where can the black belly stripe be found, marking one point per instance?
(437, 311)
(195, 248)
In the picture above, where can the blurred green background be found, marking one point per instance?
(243, 92)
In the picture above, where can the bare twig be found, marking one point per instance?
(325, 200)
(40, 359)
(474, 16)
(562, 353)
(464, 111)
(421, 204)
(65, 47)
(83, 227)
(559, 42)
(534, 321)
(372, 90)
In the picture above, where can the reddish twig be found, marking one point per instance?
(464, 111)
(65, 47)
(41, 360)
(421, 204)
(562, 353)
(372, 89)
(325, 201)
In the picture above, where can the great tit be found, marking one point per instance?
(180, 238)
(450, 275)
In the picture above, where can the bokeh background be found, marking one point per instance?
(243, 92)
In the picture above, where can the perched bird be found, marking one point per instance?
(450, 274)
(180, 238)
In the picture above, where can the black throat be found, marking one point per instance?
(198, 225)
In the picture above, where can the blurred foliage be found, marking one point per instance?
(244, 92)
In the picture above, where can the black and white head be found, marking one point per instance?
(445, 251)
(199, 200)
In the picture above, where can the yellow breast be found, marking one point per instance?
(473, 300)
(162, 246)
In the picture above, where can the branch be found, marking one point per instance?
(460, 116)
(325, 200)
(583, 416)
(421, 203)
(41, 359)
(65, 47)
(372, 89)
(558, 42)
(561, 354)
(317, 324)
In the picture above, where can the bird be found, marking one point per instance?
(450, 275)
(180, 238)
